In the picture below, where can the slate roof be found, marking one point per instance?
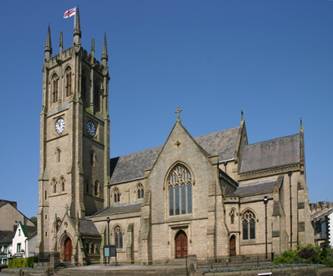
(254, 189)
(120, 209)
(272, 153)
(29, 231)
(6, 237)
(4, 202)
(88, 228)
(131, 167)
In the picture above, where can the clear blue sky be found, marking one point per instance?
(273, 59)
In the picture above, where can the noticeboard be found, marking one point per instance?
(110, 251)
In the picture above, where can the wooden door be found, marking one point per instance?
(68, 250)
(181, 245)
(232, 245)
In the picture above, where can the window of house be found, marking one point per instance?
(118, 237)
(179, 183)
(19, 232)
(18, 248)
(68, 82)
(140, 191)
(249, 225)
(116, 195)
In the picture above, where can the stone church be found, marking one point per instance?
(211, 196)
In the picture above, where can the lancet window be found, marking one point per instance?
(68, 81)
(118, 237)
(179, 183)
(140, 191)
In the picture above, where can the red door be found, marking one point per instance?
(181, 245)
(232, 245)
(68, 250)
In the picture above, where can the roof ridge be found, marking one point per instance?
(160, 146)
(273, 139)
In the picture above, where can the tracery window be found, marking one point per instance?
(68, 81)
(116, 195)
(55, 84)
(140, 191)
(249, 225)
(118, 237)
(179, 183)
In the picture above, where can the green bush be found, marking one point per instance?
(287, 257)
(22, 262)
(306, 254)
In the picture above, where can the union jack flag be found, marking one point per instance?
(69, 13)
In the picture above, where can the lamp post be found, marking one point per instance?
(108, 239)
(265, 202)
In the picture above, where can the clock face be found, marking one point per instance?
(60, 125)
(91, 128)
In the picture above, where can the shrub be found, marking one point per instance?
(287, 257)
(310, 254)
(21, 262)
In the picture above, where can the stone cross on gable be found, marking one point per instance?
(178, 111)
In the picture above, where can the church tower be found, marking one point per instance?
(74, 137)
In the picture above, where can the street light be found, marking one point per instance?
(265, 202)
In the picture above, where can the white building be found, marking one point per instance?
(6, 238)
(24, 241)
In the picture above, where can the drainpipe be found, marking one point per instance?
(291, 212)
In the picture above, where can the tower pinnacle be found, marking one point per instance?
(105, 51)
(61, 42)
(77, 29)
(48, 45)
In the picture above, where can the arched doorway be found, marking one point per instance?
(232, 246)
(180, 244)
(68, 250)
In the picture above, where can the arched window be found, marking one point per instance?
(179, 183)
(92, 158)
(68, 82)
(118, 237)
(232, 216)
(45, 195)
(140, 191)
(96, 188)
(62, 182)
(249, 225)
(97, 106)
(55, 86)
(58, 153)
(54, 185)
(116, 195)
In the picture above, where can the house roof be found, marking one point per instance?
(4, 202)
(322, 213)
(29, 231)
(6, 237)
(254, 189)
(272, 153)
(119, 209)
(132, 166)
(88, 228)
